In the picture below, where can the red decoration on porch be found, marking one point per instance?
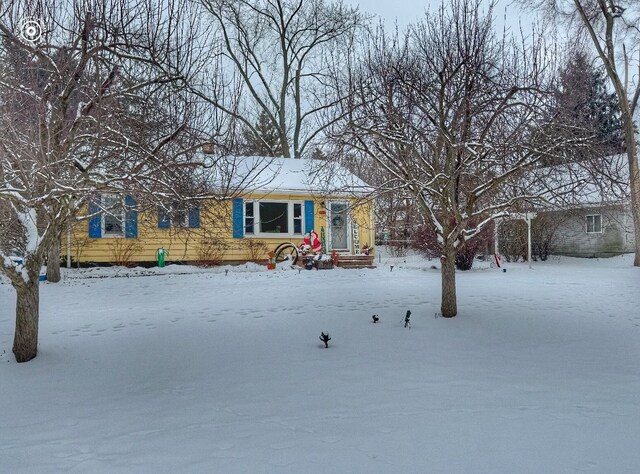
(311, 242)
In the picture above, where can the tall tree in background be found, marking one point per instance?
(450, 114)
(610, 28)
(283, 56)
(584, 105)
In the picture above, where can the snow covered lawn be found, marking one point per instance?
(207, 372)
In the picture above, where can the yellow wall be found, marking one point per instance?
(190, 245)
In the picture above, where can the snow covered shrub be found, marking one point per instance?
(425, 242)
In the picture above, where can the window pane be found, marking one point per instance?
(594, 224)
(179, 218)
(274, 217)
(112, 215)
(248, 218)
(110, 202)
(112, 225)
(297, 210)
(297, 226)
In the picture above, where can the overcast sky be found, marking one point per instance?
(407, 11)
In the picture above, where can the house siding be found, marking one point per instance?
(617, 234)
(187, 245)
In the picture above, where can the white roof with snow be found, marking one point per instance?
(588, 183)
(248, 174)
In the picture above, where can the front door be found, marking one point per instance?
(338, 230)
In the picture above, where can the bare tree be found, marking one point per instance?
(283, 57)
(611, 28)
(453, 115)
(75, 122)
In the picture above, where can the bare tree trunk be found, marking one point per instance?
(634, 185)
(25, 341)
(53, 262)
(635, 207)
(449, 307)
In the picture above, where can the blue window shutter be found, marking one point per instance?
(194, 217)
(238, 218)
(131, 218)
(308, 216)
(95, 223)
(163, 218)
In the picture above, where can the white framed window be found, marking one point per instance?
(249, 218)
(297, 218)
(113, 216)
(273, 218)
(594, 224)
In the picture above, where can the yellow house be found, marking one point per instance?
(272, 201)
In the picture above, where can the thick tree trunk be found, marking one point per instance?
(53, 262)
(449, 306)
(25, 341)
(634, 184)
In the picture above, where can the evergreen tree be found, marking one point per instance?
(585, 107)
(262, 139)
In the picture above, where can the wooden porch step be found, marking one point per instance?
(355, 261)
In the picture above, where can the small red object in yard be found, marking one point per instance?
(271, 261)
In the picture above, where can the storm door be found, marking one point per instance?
(338, 229)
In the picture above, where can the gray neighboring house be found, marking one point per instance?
(596, 221)
(594, 231)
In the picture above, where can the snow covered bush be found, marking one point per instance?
(425, 242)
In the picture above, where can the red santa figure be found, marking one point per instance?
(316, 245)
(310, 243)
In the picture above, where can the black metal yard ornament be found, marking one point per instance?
(325, 338)
(407, 323)
(375, 318)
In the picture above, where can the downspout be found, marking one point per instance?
(68, 246)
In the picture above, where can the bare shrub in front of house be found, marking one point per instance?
(543, 235)
(78, 243)
(512, 238)
(211, 251)
(254, 250)
(123, 250)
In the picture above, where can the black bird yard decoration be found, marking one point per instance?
(325, 338)
(375, 318)
(407, 323)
